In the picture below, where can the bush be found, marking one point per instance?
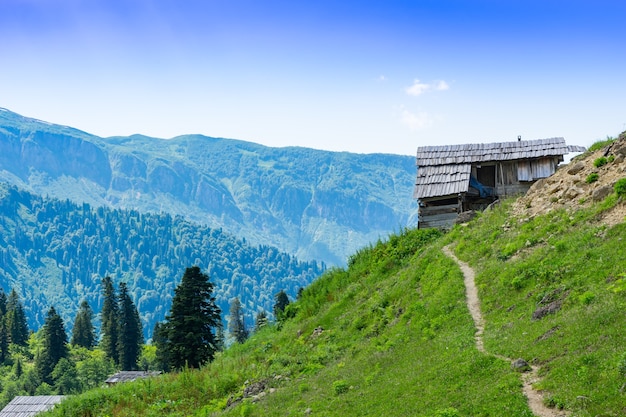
(593, 177)
(598, 162)
(340, 387)
(586, 298)
(620, 187)
(447, 412)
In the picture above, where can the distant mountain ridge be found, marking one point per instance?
(314, 204)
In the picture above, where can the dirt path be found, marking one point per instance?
(535, 398)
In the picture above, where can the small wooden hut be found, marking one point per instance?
(453, 179)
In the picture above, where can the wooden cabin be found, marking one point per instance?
(452, 179)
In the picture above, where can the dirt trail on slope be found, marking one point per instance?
(535, 398)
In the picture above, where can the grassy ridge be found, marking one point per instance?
(391, 334)
(571, 259)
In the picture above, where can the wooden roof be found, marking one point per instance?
(489, 152)
(127, 376)
(442, 180)
(445, 170)
(23, 406)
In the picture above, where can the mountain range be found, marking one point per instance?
(316, 205)
(75, 207)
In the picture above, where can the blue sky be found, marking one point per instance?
(358, 76)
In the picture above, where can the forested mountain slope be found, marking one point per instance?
(391, 334)
(317, 205)
(55, 252)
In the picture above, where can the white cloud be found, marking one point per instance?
(382, 78)
(419, 88)
(442, 86)
(416, 121)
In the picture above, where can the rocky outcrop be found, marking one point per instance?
(54, 155)
(580, 183)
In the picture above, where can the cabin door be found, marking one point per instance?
(486, 175)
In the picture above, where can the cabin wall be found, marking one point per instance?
(516, 177)
(438, 213)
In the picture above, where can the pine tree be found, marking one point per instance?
(18, 369)
(189, 338)
(260, 321)
(54, 346)
(130, 332)
(236, 323)
(282, 301)
(220, 339)
(110, 320)
(4, 332)
(3, 303)
(160, 340)
(4, 341)
(16, 320)
(83, 333)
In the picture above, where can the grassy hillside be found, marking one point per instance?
(391, 334)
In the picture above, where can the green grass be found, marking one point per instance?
(597, 145)
(572, 258)
(398, 339)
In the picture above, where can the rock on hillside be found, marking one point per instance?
(572, 186)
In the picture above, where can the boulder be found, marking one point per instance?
(572, 193)
(576, 168)
(520, 365)
(551, 308)
(465, 217)
(601, 193)
(621, 150)
(253, 389)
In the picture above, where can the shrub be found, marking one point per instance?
(246, 410)
(593, 177)
(586, 298)
(620, 187)
(598, 162)
(554, 402)
(340, 387)
(447, 412)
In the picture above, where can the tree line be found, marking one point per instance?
(192, 331)
(74, 245)
(48, 362)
